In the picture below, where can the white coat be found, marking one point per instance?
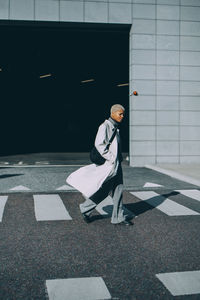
(89, 179)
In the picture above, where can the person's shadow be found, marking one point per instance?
(143, 206)
(9, 175)
(135, 209)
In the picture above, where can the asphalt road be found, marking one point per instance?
(35, 251)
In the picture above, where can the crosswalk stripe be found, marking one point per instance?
(151, 184)
(163, 204)
(181, 283)
(93, 288)
(105, 207)
(20, 188)
(194, 194)
(3, 200)
(65, 188)
(50, 208)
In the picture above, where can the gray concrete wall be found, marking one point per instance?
(164, 67)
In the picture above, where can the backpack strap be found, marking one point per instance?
(111, 139)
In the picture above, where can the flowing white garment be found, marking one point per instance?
(89, 179)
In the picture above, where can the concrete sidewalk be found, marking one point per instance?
(47, 172)
(185, 172)
(51, 179)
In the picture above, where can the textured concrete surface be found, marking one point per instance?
(190, 170)
(49, 178)
(127, 258)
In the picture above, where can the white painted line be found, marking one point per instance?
(50, 208)
(65, 188)
(105, 207)
(3, 200)
(181, 283)
(194, 194)
(20, 188)
(151, 184)
(163, 204)
(88, 288)
(174, 175)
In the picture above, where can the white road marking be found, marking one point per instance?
(194, 194)
(181, 283)
(151, 184)
(88, 288)
(20, 188)
(165, 205)
(3, 200)
(65, 188)
(105, 207)
(50, 208)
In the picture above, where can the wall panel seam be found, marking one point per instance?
(153, 19)
(160, 140)
(166, 34)
(167, 65)
(108, 11)
(156, 30)
(84, 11)
(166, 80)
(166, 110)
(169, 125)
(9, 9)
(190, 21)
(190, 66)
(168, 50)
(181, 80)
(184, 5)
(59, 11)
(179, 134)
(160, 155)
(190, 51)
(35, 10)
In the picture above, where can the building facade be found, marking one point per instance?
(164, 67)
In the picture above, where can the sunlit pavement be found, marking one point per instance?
(50, 179)
(49, 252)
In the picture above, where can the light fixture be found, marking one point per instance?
(1, 69)
(123, 84)
(88, 80)
(135, 93)
(46, 75)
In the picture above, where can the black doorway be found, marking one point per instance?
(59, 113)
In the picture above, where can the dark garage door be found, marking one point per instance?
(60, 113)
